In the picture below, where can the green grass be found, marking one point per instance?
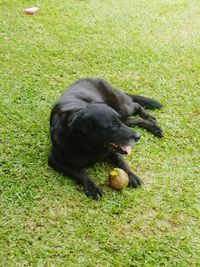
(145, 46)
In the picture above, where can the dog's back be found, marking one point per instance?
(96, 90)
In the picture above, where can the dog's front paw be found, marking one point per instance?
(134, 180)
(93, 191)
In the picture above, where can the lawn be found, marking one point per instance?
(146, 47)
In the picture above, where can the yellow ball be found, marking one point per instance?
(118, 179)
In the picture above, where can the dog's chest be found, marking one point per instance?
(84, 158)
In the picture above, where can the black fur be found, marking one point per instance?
(90, 122)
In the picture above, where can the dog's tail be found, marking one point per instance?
(146, 102)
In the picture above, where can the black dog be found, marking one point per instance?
(90, 123)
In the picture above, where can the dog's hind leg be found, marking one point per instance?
(146, 102)
(139, 110)
(91, 189)
(149, 125)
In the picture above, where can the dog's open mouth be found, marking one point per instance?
(122, 149)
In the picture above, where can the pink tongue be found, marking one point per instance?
(127, 149)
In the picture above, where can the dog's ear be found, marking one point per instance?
(82, 123)
(69, 114)
(67, 118)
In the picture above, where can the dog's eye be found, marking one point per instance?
(115, 124)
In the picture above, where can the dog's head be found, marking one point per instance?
(101, 126)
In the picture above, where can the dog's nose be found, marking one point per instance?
(137, 136)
